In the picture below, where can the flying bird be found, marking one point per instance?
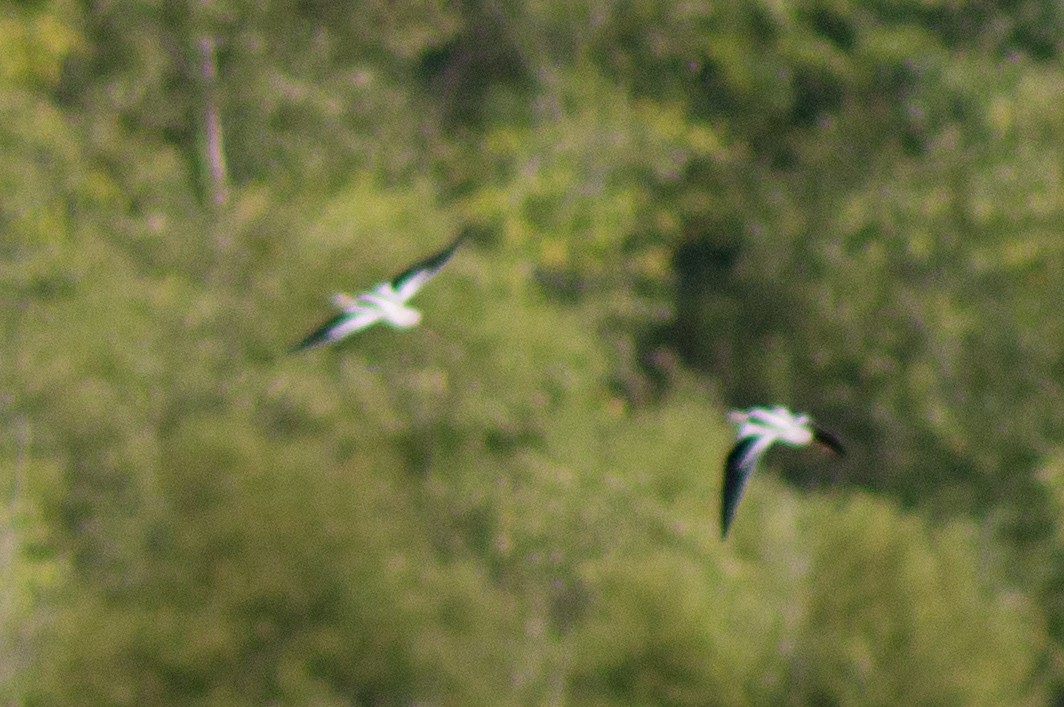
(384, 303)
(758, 429)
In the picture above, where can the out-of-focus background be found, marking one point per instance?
(855, 209)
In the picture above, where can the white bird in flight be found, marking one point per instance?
(758, 429)
(385, 303)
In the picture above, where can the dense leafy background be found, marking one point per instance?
(672, 208)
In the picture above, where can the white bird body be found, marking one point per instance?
(392, 310)
(385, 303)
(758, 428)
(779, 423)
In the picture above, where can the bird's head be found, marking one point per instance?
(737, 417)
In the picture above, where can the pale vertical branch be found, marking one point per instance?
(213, 151)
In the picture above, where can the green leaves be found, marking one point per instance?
(910, 616)
(37, 44)
(847, 208)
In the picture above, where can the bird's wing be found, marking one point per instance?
(343, 324)
(777, 417)
(829, 440)
(407, 283)
(737, 469)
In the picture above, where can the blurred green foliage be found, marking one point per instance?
(672, 208)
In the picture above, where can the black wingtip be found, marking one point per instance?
(726, 515)
(829, 440)
(304, 345)
(444, 255)
(320, 336)
(459, 239)
(316, 338)
(432, 263)
(734, 482)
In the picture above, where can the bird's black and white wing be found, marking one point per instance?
(343, 324)
(829, 440)
(407, 283)
(740, 464)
